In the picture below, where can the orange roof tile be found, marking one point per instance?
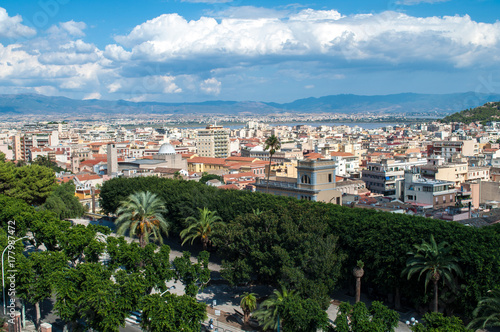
(207, 160)
(231, 186)
(235, 158)
(341, 154)
(87, 177)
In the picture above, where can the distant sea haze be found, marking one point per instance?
(364, 125)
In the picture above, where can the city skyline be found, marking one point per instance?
(189, 51)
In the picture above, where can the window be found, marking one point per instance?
(306, 179)
(330, 178)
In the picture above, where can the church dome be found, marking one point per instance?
(166, 149)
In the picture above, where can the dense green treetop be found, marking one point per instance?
(172, 313)
(378, 318)
(436, 322)
(63, 202)
(488, 112)
(287, 242)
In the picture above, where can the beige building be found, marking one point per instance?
(22, 144)
(315, 182)
(478, 173)
(213, 142)
(448, 149)
(456, 173)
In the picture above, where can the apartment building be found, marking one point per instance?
(213, 142)
(448, 149)
(386, 177)
(23, 143)
(421, 191)
(351, 161)
(478, 173)
(456, 173)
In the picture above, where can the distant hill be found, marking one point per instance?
(405, 103)
(488, 112)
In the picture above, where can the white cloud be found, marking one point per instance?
(47, 90)
(211, 86)
(171, 56)
(416, 2)
(70, 28)
(93, 95)
(116, 53)
(389, 37)
(11, 27)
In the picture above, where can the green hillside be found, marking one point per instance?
(488, 112)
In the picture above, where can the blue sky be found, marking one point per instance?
(196, 50)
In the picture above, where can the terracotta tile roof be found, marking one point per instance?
(87, 177)
(100, 156)
(313, 155)
(238, 175)
(92, 162)
(207, 160)
(235, 158)
(231, 186)
(65, 178)
(341, 154)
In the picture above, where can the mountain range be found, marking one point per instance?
(404, 103)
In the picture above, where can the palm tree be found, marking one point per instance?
(248, 304)
(272, 144)
(201, 227)
(142, 213)
(433, 260)
(268, 312)
(487, 313)
(358, 273)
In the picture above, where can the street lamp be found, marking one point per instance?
(171, 287)
(3, 275)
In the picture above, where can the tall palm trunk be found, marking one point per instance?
(38, 315)
(204, 241)
(397, 299)
(435, 295)
(142, 240)
(246, 316)
(269, 171)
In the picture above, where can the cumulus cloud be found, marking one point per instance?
(70, 28)
(390, 37)
(11, 27)
(211, 86)
(170, 55)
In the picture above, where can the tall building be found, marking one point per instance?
(427, 192)
(213, 141)
(112, 159)
(315, 182)
(23, 143)
(387, 176)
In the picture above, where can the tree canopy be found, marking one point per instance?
(285, 243)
